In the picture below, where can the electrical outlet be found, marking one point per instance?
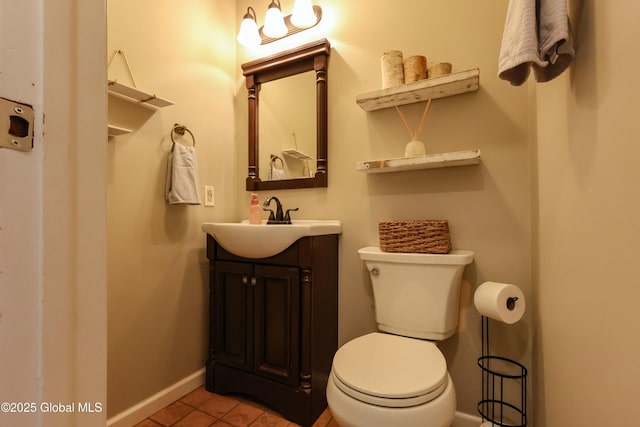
(209, 199)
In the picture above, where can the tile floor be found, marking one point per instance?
(201, 408)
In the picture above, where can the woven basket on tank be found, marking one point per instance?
(417, 236)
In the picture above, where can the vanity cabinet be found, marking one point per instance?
(273, 325)
(259, 302)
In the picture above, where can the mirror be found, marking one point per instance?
(286, 149)
(287, 130)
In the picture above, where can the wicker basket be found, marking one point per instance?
(419, 236)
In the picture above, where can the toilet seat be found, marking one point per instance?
(389, 370)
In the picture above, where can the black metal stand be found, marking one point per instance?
(500, 375)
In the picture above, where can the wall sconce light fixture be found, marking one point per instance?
(304, 16)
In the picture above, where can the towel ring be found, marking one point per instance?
(180, 130)
(275, 158)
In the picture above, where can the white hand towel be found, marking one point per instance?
(556, 41)
(519, 48)
(182, 176)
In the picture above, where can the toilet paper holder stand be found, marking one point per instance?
(499, 376)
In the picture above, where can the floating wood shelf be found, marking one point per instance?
(117, 130)
(422, 90)
(135, 95)
(430, 161)
(296, 154)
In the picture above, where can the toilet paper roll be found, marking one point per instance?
(500, 301)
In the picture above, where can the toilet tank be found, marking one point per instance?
(416, 295)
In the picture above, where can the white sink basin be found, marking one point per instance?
(262, 240)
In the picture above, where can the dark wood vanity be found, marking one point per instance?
(274, 325)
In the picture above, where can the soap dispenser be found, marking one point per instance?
(255, 212)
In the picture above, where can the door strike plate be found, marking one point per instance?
(16, 120)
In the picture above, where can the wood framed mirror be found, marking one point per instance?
(289, 66)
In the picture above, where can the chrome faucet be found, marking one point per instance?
(280, 217)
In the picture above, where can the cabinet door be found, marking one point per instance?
(232, 320)
(277, 323)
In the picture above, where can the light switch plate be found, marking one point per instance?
(209, 195)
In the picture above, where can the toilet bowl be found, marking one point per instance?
(382, 380)
(399, 377)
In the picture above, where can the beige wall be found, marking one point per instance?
(488, 206)
(587, 349)
(579, 175)
(157, 293)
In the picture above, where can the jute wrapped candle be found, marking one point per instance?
(415, 68)
(392, 69)
(441, 69)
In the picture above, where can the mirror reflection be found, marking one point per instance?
(288, 110)
(287, 128)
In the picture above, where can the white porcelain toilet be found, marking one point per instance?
(398, 377)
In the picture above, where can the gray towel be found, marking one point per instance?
(556, 40)
(519, 46)
(182, 176)
(536, 34)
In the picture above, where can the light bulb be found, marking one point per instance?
(303, 14)
(248, 34)
(274, 25)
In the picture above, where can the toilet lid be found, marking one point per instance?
(390, 370)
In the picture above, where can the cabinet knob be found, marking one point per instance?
(253, 281)
(245, 279)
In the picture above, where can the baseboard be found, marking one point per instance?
(153, 404)
(465, 420)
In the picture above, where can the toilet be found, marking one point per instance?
(398, 376)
